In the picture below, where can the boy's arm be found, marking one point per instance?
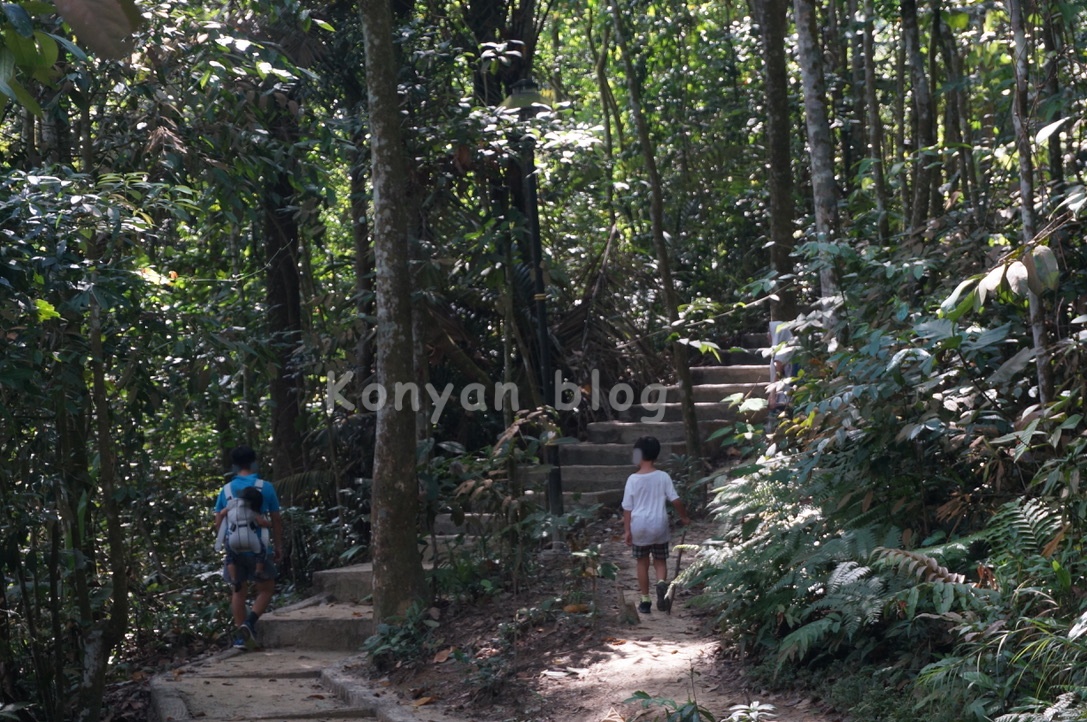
(626, 528)
(682, 509)
(219, 519)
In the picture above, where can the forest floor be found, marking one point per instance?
(562, 667)
(520, 658)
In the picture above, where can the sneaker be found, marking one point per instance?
(645, 608)
(663, 602)
(245, 634)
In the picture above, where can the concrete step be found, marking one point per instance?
(703, 411)
(744, 356)
(317, 623)
(719, 392)
(584, 499)
(610, 454)
(627, 432)
(740, 374)
(595, 478)
(346, 584)
(268, 684)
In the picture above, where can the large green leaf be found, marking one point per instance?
(19, 19)
(105, 26)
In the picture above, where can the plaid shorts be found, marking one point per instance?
(659, 551)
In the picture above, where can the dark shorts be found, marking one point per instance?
(245, 565)
(659, 551)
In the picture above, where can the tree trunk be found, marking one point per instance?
(281, 243)
(875, 123)
(364, 262)
(1051, 38)
(774, 21)
(398, 569)
(820, 140)
(660, 244)
(109, 624)
(925, 137)
(1021, 120)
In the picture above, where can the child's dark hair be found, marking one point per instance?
(251, 495)
(243, 457)
(649, 446)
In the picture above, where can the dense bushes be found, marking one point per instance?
(918, 511)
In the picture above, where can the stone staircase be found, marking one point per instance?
(296, 674)
(595, 469)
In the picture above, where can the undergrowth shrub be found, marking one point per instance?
(918, 509)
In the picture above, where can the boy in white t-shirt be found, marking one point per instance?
(645, 519)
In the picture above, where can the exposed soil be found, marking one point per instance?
(522, 658)
(564, 665)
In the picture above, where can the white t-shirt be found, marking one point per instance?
(644, 497)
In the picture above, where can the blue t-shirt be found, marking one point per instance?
(271, 499)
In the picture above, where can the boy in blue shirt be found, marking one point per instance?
(249, 568)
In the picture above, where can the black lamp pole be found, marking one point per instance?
(525, 94)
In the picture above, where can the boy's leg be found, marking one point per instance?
(643, 575)
(265, 586)
(660, 565)
(237, 605)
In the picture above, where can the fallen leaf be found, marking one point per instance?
(443, 655)
(422, 701)
(576, 608)
(614, 640)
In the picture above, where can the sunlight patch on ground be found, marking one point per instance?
(659, 666)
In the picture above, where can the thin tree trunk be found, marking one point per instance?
(364, 264)
(820, 140)
(925, 136)
(901, 121)
(104, 634)
(1051, 38)
(398, 569)
(1021, 120)
(774, 21)
(664, 260)
(875, 123)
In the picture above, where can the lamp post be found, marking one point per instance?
(525, 95)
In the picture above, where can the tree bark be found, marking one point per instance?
(281, 245)
(660, 244)
(925, 136)
(1021, 120)
(773, 17)
(109, 625)
(1051, 38)
(820, 141)
(875, 123)
(398, 569)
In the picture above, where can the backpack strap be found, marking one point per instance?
(221, 536)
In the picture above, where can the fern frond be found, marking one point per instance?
(915, 564)
(1024, 526)
(797, 644)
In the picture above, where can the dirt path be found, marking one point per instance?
(580, 669)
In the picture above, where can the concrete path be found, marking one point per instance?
(302, 671)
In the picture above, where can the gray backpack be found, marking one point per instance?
(239, 531)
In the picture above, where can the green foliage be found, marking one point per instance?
(403, 640)
(688, 711)
(751, 712)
